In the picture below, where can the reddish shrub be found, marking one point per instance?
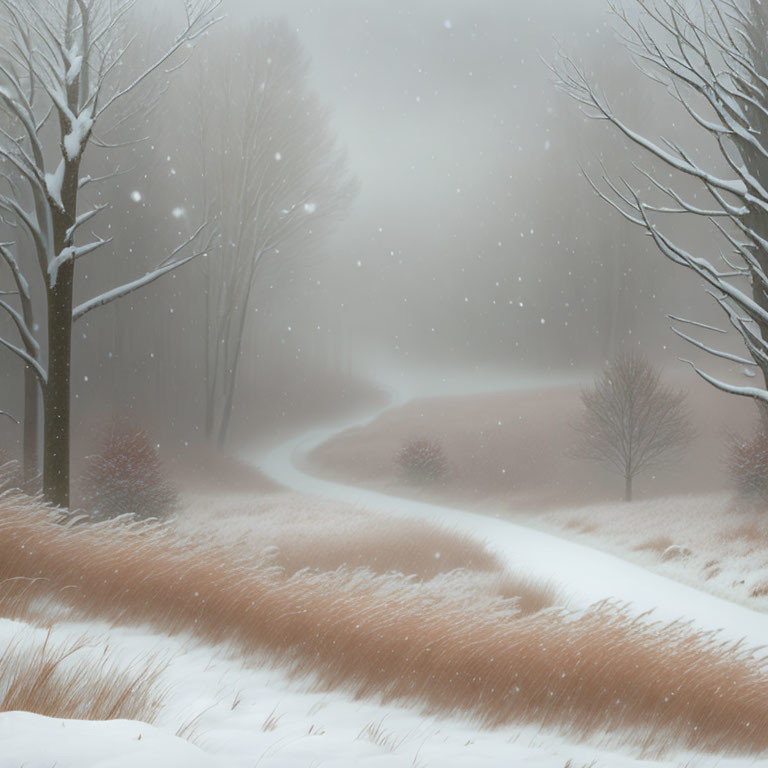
(127, 477)
(748, 464)
(422, 461)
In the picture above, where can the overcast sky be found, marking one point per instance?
(462, 145)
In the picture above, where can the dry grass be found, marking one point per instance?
(437, 644)
(301, 533)
(752, 531)
(657, 544)
(380, 736)
(513, 448)
(407, 547)
(58, 681)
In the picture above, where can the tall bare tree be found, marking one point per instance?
(62, 61)
(632, 420)
(271, 176)
(712, 57)
(24, 319)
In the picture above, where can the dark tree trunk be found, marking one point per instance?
(226, 416)
(31, 429)
(628, 488)
(57, 391)
(56, 396)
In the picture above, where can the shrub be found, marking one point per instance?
(127, 477)
(422, 461)
(748, 464)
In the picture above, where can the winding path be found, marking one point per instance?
(586, 575)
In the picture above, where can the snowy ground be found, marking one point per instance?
(232, 715)
(586, 575)
(710, 542)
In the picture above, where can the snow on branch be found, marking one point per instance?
(26, 358)
(172, 262)
(72, 253)
(9, 416)
(706, 57)
(200, 17)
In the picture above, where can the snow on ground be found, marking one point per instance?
(709, 542)
(233, 716)
(585, 574)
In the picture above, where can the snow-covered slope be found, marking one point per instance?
(586, 574)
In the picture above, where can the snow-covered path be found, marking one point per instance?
(586, 575)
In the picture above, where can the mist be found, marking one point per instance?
(383, 383)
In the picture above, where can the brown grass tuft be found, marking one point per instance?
(53, 681)
(380, 736)
(439, 644)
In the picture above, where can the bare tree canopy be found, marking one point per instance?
(61, 61)
(712, 58)
(632, 420)
(270, 173)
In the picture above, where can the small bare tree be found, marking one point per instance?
(632, 419)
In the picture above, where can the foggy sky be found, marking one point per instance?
(459, 138)
(473, 241)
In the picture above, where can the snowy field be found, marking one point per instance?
(711, 542)
(219, 711)
(230, 715)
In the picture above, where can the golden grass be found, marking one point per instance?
(438, 644)
(56, 681)
(409, 547)
(301, 533)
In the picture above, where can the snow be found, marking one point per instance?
(136, 196)
(75, 139)
(233, 716)
(74, 69)
(41, 742)
(237, 713)
(53, 268)
(53, 182)
(586, 575)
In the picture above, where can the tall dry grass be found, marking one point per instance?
(60, 681)
(312, 533)
(437, 643)
(410, 547)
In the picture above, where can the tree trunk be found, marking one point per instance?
(57, 391)
(628, 488)
(31, 428)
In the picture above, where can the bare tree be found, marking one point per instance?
(712, 57)
(271, 175)
(632, 420)
(63, 60)
(24, 320)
